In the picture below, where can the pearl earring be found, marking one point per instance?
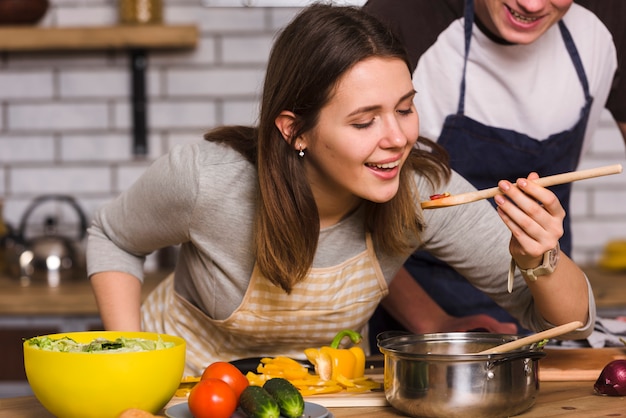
(301, 153)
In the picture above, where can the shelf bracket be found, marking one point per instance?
(139, 108)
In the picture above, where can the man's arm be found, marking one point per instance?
(410, 305)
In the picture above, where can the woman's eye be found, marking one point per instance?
(363, 125)
(405, 111)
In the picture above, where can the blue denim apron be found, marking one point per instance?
(485, 154)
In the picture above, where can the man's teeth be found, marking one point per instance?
(387, 165)
(522, 18)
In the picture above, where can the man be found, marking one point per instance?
(507, 87)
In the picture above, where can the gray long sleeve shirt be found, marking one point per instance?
(202, 196)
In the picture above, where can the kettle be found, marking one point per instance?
(51, 258)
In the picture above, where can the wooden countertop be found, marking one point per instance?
(76, 298)
(609, 288)
(555, 399)
(70, 298)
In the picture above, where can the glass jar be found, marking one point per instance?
(140, 11)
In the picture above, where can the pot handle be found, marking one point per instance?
(532, 354)
(385, 335)
(40, 199)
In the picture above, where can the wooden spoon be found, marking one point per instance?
(534, 338)
(463, 198)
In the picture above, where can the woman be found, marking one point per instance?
(293, 230)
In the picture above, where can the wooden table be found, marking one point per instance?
(556, 399)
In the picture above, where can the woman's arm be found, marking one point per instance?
(535, 217)
(118, 296)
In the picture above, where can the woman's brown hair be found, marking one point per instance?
(307, 60)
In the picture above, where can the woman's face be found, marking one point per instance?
(363, 136)
(521, 21)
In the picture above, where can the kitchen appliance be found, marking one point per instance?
(50, 256)
(441, 375)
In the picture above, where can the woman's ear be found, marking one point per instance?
(285, 122)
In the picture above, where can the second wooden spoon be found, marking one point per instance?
(534, 338)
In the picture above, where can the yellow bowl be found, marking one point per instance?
(102, 385)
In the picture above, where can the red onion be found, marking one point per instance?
(612, 379)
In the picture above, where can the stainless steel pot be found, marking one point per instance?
(435, 375)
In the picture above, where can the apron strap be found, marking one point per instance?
(469, 23)
(573, 53)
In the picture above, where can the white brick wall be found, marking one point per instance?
(65, 117)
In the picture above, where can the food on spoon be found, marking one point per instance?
(440, 196)
(256, 402)
(287, 396)
(98, 345)
(612, 379)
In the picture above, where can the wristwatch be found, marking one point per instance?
(550, 258)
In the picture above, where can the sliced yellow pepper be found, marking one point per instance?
(332, 362)
(336, 369)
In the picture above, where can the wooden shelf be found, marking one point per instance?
(136, 39)
(17, 38)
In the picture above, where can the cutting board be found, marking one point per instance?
(347, 399)
(561, 364)
(344, 399)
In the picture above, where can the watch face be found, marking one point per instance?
(554, 256)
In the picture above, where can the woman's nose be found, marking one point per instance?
(394, 138)
(394, 135)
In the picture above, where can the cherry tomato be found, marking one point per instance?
(212, 398)
(229, 374)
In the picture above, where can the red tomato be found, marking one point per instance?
(212, 398)
(229, 374)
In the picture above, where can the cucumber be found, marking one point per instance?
(287, 396)
(256, 402)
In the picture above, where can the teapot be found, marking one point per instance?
(50, 258)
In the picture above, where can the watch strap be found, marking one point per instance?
(547, 266)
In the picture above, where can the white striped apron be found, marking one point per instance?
(269, 322)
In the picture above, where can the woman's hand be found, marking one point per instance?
(535, 217)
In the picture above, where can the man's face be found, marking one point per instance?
(521, 21)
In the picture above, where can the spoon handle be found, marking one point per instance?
(547, 181)
(534, 338)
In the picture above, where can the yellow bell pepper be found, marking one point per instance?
(332, 362)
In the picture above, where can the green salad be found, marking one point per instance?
(119, 345)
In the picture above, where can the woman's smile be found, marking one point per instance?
(386, 170)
